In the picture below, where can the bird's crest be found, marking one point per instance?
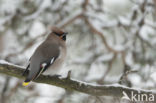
(57, 31)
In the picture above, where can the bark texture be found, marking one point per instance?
(71, 84)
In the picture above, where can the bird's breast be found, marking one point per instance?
(57, 65)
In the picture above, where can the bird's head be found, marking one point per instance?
(59, 32)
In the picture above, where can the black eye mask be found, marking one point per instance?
(57, 34)
(64, 38)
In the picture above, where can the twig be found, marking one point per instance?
(69, 74)
(74, 85)
(70, 21)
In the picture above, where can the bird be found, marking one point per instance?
(48, 57)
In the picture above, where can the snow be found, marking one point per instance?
(95, 72)
(47, 90)
(87, 57)
(124, 21)
(3, 62)
(135, 79)
(74, 14)
(153, 76)
(105, 57)
(44, 5)
(145, 32)
(9, 6)
(37, 29)
(8, 63)
(119, 48)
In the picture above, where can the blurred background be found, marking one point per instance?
(109, 42)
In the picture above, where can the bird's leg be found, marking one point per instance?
(69, 74)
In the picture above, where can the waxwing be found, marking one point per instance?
(48, 57)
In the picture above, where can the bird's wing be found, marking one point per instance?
(49, 55)
(44, 66)
(26, 70)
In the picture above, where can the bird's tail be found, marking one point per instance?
(26, 82)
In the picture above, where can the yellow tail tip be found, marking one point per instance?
(25, 83)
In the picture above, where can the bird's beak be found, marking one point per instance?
(65, 33)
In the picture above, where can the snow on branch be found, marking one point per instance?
(75, 85)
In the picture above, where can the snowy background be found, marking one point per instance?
(109, 42)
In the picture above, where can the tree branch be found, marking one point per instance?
(71, 84)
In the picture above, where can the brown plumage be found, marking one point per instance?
(57, 30)
(49, 56)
